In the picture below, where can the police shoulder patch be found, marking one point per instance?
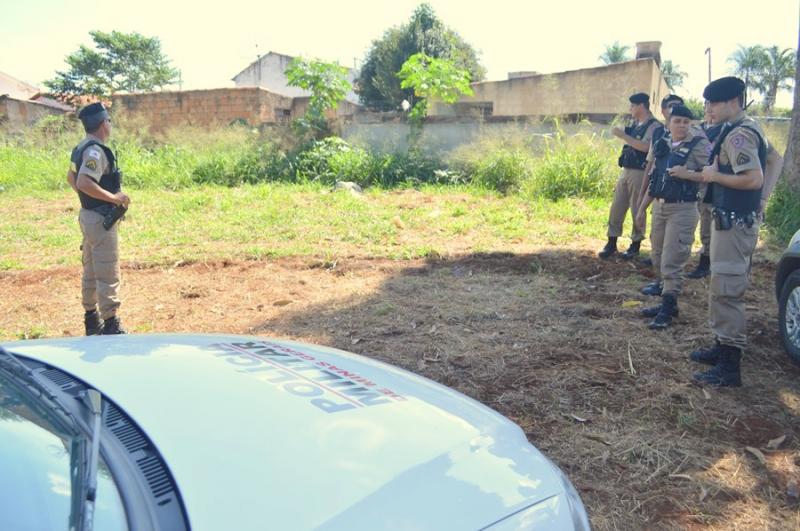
(93, 153)
(742, 159)
(91, 164)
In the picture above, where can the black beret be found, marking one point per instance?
(93, 115)
(640, 98)
(724, 89)
(669, 99)
(682, 110)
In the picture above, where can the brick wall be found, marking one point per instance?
(252, 105)
(17, 114)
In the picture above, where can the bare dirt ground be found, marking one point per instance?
(545, 338)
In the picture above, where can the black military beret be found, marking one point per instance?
(724, 89)
(682, 110)
(640, 98)
(93, 115)
(669, 99)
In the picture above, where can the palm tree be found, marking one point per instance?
(777, 68)
(615, 53)
(672, 74)
(748, 62)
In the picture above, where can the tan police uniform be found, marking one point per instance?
(101, 276)
(626, 193)
(731, 250)
(673, 224)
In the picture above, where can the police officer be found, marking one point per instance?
(95, 177)
(632, 160)
(735, 178)
(711, 130)
(677, 156)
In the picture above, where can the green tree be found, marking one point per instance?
(615, 53)
(327, 83)
(120, 62)
(378, 85)
(748, 62)
(672, 74)
(775, 73)
(430, 77)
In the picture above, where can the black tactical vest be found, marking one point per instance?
(110, 182)
(665, 186)
(632, 158)
(712, 131)
(739, 202)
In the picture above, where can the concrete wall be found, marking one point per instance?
(268, 72)
(254, 106)
(16, 114)
(600, 91)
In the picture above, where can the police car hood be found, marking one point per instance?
(267, 434)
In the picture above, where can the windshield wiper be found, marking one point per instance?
(87, 486)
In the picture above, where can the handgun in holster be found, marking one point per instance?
(112, 217)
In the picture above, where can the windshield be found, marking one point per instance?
(38, 468)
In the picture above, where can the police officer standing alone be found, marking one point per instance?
(735, 177)
(95, 177)
(632, 160)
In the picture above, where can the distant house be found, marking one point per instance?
(22, 104)
(598, 93)
(268, 72)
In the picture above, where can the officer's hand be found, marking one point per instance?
(617, 132)
(641, 219)
(122, 199)
(678, 171)
(711, 170)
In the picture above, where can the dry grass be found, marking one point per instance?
(542, 337)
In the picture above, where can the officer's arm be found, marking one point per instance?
(89, 186)
(71, 180)
(771, 175)
(635, 143)
(746, 180)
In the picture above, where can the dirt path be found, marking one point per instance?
(544, 338)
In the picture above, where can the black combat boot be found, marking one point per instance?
(653, 289)
(726, 372)
(708, 355)
(633, 251)
(609, 249)
(112, 327)
(92, 323)
(703, 269)
(669, 309)
(647, 262)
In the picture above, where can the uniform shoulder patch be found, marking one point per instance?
(742, 159)
(91, 164)
(93, 153)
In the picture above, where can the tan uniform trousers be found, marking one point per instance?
(731, 251)
(100, 282)
(705, 226)
(671, 237)
(626, 193)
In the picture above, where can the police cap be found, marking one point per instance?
(640, 98)
(93, 115)
(670, 98)
(724, 89)
(682, 110)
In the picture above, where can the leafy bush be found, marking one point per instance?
(503, 170)
(783, 214)
(577, 170)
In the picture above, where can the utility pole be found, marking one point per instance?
(708, 53)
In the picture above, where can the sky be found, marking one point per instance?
(212, 42)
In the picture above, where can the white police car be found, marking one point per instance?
(172, 432)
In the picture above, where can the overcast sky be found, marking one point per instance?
(212, 42)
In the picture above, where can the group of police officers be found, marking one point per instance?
(725, 168)
(721, 174)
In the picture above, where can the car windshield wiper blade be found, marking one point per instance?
(87, 485)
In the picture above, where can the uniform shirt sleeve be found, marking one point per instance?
(648, 134)
(650, 153)
(94, 163)
(699, 155)
(740, 150)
